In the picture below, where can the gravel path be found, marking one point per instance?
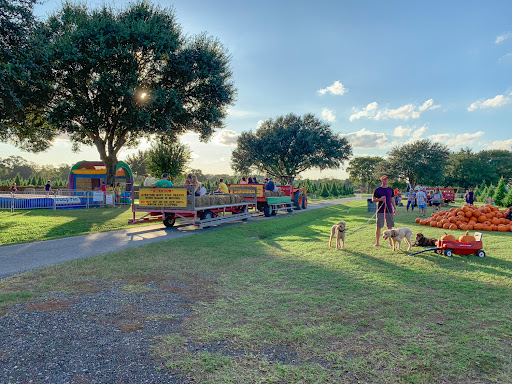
(97, 337)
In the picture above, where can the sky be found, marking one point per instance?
(381, 73)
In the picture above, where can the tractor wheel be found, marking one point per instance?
(304, 202)
(266, 211)
(296, 197)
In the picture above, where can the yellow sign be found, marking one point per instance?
(163, 197)
(259, 189)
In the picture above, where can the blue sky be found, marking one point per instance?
(381, 73)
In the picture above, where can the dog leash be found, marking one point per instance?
(371, 218)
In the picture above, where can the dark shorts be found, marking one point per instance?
(436, 203)
(390, 220)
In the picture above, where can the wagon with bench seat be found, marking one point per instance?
(169, 204)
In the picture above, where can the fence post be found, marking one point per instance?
(54, 200)
(87, 194)
(12, 202)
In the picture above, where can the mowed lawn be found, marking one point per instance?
(273, 304)
(45, 224)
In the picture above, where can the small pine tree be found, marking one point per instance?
(490, 192)
(207, 185)
(324, 191)
(476, 192)
(40, 181)
(507, 201)
(500, 193)
(334, 190)
(17, 179)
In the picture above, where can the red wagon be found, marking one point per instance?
(459, 248)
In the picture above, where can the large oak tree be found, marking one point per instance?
(125, 75)
(288, 145)
(420, 162)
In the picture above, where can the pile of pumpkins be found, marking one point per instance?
(469, 217)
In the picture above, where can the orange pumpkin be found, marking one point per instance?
(439, 224)
(464, 227)
(417, 220)
(423, 222)
(433, 223)
(502, 228)
(453, 226)
(467, 238)
(470, 226)
(446, 225)
(479, 226)
(447, 237)
(486, 228)
(482, 218)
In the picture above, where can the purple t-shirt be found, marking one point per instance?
(388, 192)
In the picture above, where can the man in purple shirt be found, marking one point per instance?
(386, 209)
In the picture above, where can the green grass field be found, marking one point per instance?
(45, 224)
(287, 309)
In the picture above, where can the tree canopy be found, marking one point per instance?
(421, 162)
(168, 156)
(120, 76)
(364, 170)
(25, 77)
(289, 145)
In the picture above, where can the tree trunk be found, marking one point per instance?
(111, 165)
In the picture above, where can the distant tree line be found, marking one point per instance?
(15, 169)
(433, 164)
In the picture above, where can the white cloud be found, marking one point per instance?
(502, 38)
(335, 89)
(495, 102)
(405, 112)
(226, 137)
(460, 140)
(259, 123)
(428, 105)
(419, 132)
(328, 115)
(504, 144)
(402, 131)
(506, 58)
(194, 155)
(365, 112)
(366, 139)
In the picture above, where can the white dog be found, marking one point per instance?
(338, 230)
(397, 235)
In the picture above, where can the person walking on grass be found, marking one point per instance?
(386, 208)
(421, 199)
(411, 198)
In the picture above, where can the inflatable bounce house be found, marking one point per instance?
(88, 175)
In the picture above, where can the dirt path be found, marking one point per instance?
(20, 258)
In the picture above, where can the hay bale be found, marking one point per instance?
(202, 201)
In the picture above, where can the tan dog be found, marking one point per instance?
(397, 235)
(339, 231)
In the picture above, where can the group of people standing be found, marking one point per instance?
(418, 198)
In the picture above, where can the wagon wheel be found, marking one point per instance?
(448, 253)
(480, 253)
(266, 211)
(169, 219)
